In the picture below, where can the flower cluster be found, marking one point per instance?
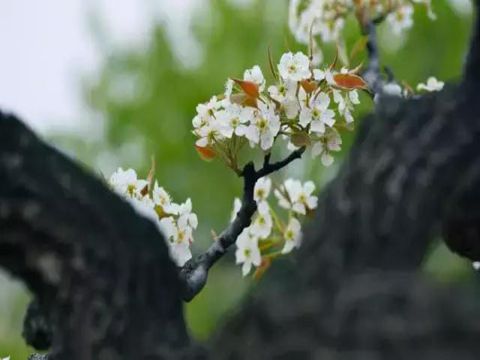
(306, 106)
(268, 236)
(176, 221)
(431, 85)
(326, 18)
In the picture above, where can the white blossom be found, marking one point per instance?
(209, 108)
(317, 18)
(178, 238)
(300, 23)
(186, 218)
(175, 221)
(294, 67)
(237, 204)
(476, 265)
(233, 120)
(228, 88)
(247, 252)
(318, 114)
(264, 127)
(255, 75)
(323, 147)
(291, 107)
(432, 85)
(330, 30)
(296, 197)
(326, 75)
(125, 182)
(262, 189)
(292, 235)
(206, 113)
(262, 225)
(286, 94)
(208, 135)
(144, 206)
(345, 103)
(401, 19)
(162, 199)
(284, 91)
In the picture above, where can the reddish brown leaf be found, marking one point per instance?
(206, 153)
(248, 87)
(309, 86)
(349, 81)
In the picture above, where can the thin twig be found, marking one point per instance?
(194, 273)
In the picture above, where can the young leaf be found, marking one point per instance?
(349, 81)
(206, 153)
(248, 87)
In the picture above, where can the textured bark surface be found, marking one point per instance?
(354, 291)
(105, 284)
(101, 274)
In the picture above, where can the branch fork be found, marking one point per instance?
(194, 273)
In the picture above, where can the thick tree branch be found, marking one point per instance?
(102, 273)
(195, 272)
(356, 291)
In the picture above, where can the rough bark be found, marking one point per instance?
(354, 291)
(100, 272)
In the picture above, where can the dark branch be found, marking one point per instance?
(195, 272)
(37, 330)
(270, 168)
(372, 74)
(471, 74)
(101, 272)
(356, 290)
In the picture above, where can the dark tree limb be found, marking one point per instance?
(101, 273)
(356, 290)
(37, 330)
(195, 272)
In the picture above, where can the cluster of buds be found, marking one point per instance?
(326, 18)
(307, 106)
(175, 221)
(269, 236)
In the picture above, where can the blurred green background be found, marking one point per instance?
(145, 100)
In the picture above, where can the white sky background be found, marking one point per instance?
(46, 48)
